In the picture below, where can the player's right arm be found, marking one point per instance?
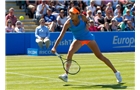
(62, 33)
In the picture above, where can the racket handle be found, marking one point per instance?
(57, 54)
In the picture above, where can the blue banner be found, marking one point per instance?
(18, 43)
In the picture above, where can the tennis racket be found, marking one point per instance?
(74, 66)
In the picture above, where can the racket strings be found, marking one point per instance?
(70, 66)
(73, 67)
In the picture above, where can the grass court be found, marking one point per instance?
(41, 72)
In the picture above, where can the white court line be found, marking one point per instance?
(47, 78)
(29, 75)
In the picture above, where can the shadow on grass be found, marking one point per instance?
(112, 86)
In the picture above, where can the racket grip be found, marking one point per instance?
(57, 54)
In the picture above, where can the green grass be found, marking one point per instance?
(41, 73)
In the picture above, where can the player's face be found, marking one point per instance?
(73, 16)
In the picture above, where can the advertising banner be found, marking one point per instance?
(107, 42)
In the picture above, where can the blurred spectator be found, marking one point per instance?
(54, 8)
(31, 6)
(42, 34)
(133, 8)
(99, 19)
(133, 12)
(92, 7)
(60, 2)
(21, 4)
(61, 19)
(108, 18)
(113, 25)
(123, 2)
(98, 8)
(131, 1)
(127, 7)
(128, 16)
(12, 17)
(90, 15)
(98, 3)
(66, 3)
(81, 5)
(70, 6)
(52, 5)
(118, 9)
(114, 4)
(56, 14)
(92, 27)
(50, 20)
(19, 27)
(58, 5)
(8, 27)
(103, 11)
(105, 2)
(129, 26)
(86, 2)
(118, 18)
(109, 9)
(41, 10)
(75, 2)
(40, 1)
(62, 6)
(84, 12)
(48, 2)
(122, 26)
(106, 27)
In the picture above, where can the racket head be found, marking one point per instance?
(74, 68)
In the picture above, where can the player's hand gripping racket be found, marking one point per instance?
(74, 66)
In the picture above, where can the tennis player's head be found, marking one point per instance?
(74, 12)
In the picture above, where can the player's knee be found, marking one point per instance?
(100, 56)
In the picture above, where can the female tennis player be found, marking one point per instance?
(77, 23)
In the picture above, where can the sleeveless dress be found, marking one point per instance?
(80, 32)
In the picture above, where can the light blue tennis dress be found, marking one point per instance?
(80, 32)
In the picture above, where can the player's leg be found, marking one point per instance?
(94, 47)
(75, 45)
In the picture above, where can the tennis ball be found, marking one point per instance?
(21, 18)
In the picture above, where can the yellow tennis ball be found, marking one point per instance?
(21, 18)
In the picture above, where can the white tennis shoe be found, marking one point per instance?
(118, 77)
(63, 77)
